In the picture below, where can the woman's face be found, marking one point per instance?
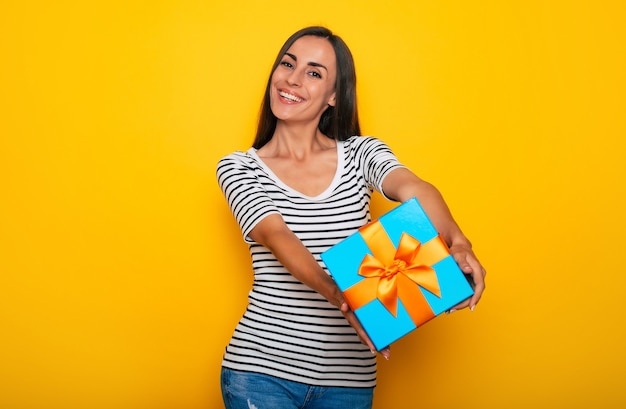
(303, 84)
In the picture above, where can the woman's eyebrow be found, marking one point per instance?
(311, 63)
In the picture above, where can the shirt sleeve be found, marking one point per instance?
(247, 198)
(376, 160)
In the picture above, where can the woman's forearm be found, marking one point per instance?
(296, 258)
(402, 185)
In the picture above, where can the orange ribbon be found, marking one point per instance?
(393, 274)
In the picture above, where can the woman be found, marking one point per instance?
(304, 186)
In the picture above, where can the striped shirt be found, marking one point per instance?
(288, 330)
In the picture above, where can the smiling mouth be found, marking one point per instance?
(289, 96)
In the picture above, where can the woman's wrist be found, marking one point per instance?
(336, 297)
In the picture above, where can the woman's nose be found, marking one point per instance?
(294, 78)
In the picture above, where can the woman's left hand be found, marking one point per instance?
(469, 264)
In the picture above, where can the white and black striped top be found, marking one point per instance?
(288, 330)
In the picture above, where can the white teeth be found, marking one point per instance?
(290, 96)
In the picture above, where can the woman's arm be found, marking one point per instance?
(401, 185)
(275, 235)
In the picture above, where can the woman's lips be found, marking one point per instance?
(289, 97)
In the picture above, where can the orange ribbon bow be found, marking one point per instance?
(393, 274)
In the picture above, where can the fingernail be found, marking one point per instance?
(452, 310)
(472, 307)
(373, 351)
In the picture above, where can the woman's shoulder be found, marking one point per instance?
(237, 162)
(359, 141)
(237, 157)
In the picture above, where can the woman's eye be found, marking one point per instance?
(286, 64)
(315, 74)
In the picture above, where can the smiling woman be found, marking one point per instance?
(339, 121)
(305, 185)
(303, 85)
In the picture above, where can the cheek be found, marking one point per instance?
(272, 87)
(274, 79)
(280, 74)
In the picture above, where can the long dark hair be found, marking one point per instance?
(338, 122)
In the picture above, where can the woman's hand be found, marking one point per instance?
(365, 339)
(469, 264)
(401, 185)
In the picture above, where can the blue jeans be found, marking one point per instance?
(248, 390)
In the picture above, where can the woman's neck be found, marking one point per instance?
(296, 141)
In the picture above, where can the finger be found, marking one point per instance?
(356, 324)
(459, 306)
(470, 265)
(478, 292)
(365, 339)
(463, 263)
(479, 287)
(477, 273)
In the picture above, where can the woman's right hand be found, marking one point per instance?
(356, 324)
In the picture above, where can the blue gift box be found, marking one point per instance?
(396, 273)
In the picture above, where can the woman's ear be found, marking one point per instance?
(332, 101)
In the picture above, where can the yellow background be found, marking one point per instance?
(122, 273)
